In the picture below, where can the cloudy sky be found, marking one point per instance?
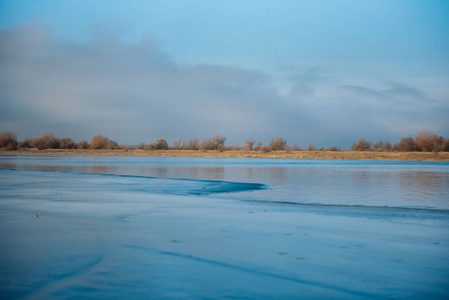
(325, 72)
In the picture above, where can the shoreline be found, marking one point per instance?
(284, 154)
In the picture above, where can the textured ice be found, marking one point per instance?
(71, 235)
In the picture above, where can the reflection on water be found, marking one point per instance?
(370, 183)
(8, 165)
(213, 173)
(99, 169)
(423, 183)
(277, 175)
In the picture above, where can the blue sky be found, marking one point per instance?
(322, 72)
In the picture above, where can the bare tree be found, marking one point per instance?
(265, 149)
(83, 144)
(213, 143)
(406, 144)
(46, 141)
(160, 144)
(361, 145)
(277, 144)
(445, 145)
(66, 143)
(28, 143)
(178, 144)
(8, 140)
(141, 146)
(192, 144)
(382, 146)
(310, 147)
(249, 144)
(333, 148)
(99, 142)
(112, 145)
(427, 141)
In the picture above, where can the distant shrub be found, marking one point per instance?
(265, 149)
(160, 144)
(46, 141)
(192, 144)
(112, 145)
(99, 142)
(232, 147)
(445, 145)
(311, 147)
(141, 146)
(213, 143)
(67, 143)
(249, 144)
(178, 144)
(361, 145)
(28, 143)
(8, 140)
(296, 147)
(382, 146)
(333, 149)
(406, 144)
(12, 146)
(258, 146)
(427, 141)
(83, 144)
(127, 148)
(277, 144)
(149, 146)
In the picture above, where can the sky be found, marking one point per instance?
(327, 72)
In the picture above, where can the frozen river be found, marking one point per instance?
(172, 227)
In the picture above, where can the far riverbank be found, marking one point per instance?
(287, 154)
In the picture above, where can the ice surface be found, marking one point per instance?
(102, 236)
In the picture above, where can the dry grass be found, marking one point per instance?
(291, 154)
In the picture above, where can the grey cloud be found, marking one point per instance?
(309, 76)
(402, 90)
(367, 93)
(135, 93)
(131, 93)
(398, 111)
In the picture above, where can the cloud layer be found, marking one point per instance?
(137, 93)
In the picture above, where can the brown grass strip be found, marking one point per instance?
(288, 154)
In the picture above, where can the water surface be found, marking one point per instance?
(326, 182)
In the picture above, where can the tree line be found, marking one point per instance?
(424, 141)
